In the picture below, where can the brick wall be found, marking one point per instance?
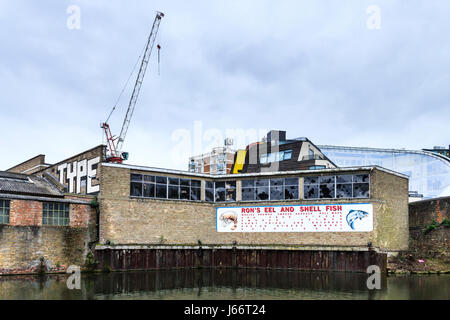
(435, 243)
(25, 240)
(30, 166)
(147, 221)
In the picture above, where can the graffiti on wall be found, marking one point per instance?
(78, 172)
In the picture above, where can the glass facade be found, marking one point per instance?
(429, 174)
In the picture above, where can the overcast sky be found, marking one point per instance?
(312, 68)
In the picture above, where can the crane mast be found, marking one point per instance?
(115, 154)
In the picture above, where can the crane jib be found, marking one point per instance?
(115, 150)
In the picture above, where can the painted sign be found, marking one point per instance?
(354, 217)
(78, 172)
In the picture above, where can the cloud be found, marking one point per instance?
(313, 69)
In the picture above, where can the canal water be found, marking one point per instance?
(227, 284)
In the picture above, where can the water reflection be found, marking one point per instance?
(225, 284)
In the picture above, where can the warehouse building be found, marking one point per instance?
(353, 209)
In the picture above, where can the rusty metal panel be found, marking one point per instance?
(340, 261)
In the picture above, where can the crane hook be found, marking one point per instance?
(159, 49)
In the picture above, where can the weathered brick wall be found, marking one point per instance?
(25, 240)
(146, 221)
(435, 243)
(25, 213)
(30, 166)
(22, 247)
(422, 213)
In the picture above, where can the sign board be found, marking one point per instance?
(354, 217)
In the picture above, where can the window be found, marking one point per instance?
(342, 186)
(55, 214)
(158, 187)
(275, 156)
(270, 189)
(4, 211)
(209, 191)
(225, 191)
(317, 167)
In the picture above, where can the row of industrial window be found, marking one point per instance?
(275, 156)
(164, 187)
(343, 186)
(324, 187)
(53, 213)
(270, 189)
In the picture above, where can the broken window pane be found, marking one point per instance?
(327, 190)
(161, 191)
(326, 179)
(290, 192)
(311, 191)
(311, 180)
(220, 194)
(361, 178)
(276, 193)
(360, 190)
(173, 192)
(149, 190)
(162, 180)
(262, 193)
(344, 190)
(136, 189)
(291, 182)
(195, 193)
(248, 194)
(209, 184)
(196, 183)
(276, 182)
(136, 177)
(185, 193)
(262, 183)
(149, 178)
(248, 183)
(209, 195)
(344, 178)
(231, 195)
(230, 184)
(185, 182)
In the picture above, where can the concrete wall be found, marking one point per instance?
(25, 240)
(124, 220)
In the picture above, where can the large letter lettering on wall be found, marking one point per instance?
(349, 217)
(76, 172)
(92, 173)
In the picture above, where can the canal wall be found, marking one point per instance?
(125, 258)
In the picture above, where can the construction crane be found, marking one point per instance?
(114, 152)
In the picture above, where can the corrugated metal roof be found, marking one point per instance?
(17, 183)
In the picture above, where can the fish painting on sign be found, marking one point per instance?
(354, 215)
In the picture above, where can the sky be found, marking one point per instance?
(350, 73)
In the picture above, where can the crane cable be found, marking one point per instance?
(126, 84)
